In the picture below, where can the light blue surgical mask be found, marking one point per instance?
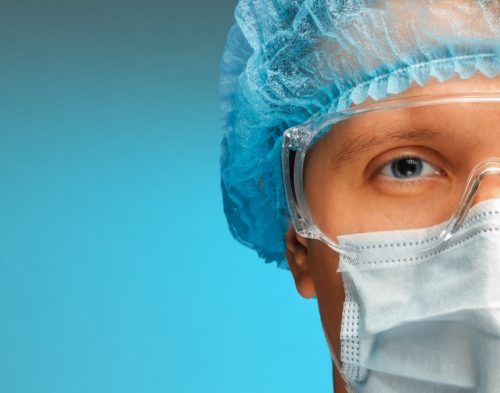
(424, 322)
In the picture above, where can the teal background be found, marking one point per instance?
(117, 270)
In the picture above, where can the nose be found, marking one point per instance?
(483, 184)
(488, 186)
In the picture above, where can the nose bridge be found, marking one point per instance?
(488, 186)
(483, 184)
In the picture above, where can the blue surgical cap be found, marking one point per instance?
(286, 61)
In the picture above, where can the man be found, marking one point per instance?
(377, 123)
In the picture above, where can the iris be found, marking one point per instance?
(406, 167)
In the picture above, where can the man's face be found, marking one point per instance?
(352, 183)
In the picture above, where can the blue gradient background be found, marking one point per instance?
(117, 270)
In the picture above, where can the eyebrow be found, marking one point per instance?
(361, 143)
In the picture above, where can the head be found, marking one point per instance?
(288, 64)
(352, 183)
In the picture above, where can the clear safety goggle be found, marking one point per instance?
(393, 165)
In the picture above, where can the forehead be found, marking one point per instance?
(443, 126)
(439, 117)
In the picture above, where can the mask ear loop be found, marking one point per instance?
(483, 169)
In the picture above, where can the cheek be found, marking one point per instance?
(329, 290)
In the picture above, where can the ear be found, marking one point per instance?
(297, 256)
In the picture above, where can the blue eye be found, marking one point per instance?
(407, 168)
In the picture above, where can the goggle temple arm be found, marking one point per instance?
(291, 152)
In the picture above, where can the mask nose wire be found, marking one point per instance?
(481, 171)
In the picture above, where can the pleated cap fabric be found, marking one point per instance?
(286, 61)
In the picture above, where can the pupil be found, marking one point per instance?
(406, 167)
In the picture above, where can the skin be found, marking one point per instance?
(336, 201)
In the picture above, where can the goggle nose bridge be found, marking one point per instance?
(483, 170)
